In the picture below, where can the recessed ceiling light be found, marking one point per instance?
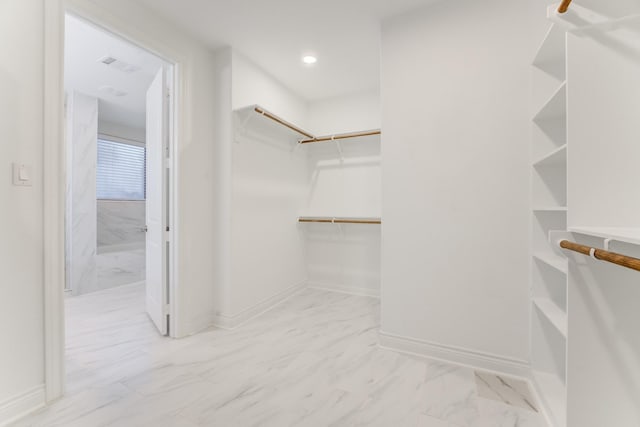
(309, 59)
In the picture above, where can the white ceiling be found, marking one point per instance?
(84, 46)
(344, 34)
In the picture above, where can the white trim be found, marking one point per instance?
(22, 405)
(54, 199)
(345, 289)
(231, 322)
(458, 356)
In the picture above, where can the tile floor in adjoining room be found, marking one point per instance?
(313, 361)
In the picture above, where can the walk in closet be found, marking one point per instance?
(318, 196)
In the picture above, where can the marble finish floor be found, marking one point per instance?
(312, 361)
(120, 268)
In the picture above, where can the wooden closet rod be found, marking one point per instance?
(564, 6)
(341, 136)
(282, 122)
(341, 220)
(601, 254)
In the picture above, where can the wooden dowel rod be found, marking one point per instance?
(357, 221)
(341, 220)
(564, 6)
(601, 254)
(282, 122)
(341, 136)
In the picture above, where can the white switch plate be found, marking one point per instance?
(22, 175)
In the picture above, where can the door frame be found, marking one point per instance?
(54, 165)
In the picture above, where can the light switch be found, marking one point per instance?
(22, 175)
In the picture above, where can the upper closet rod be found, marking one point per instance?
(341, 136)
(612, 257)
(564, 6)
(282, 122)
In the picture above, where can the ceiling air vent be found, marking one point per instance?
(116, 63)
(108, 60)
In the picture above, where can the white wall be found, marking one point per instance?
(267, 184)
(21, 260)
(221, 189)
(614, 9)
(252, 85)
(118, 130)
(455, 94)
(354, 112)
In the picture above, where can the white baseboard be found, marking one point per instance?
(231, 322)
(193, 326)
(22, 405)
(457, 356)
(345, 289)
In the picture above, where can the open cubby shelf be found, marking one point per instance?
(554, 314)
(555, 107)
(557, 157)
(550, 57)
(553, 260)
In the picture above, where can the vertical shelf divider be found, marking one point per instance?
(549, 275)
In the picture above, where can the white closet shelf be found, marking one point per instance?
(550, 209)
(555, 107)
(557, 157)
(552, 390)
(556, 261)
(619, 234)
(550, 57)
(553, 313)
(576, 17)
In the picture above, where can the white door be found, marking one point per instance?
(156, 221)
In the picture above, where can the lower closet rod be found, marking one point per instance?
(602, 255)
(341, 220)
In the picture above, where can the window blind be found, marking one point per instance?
(120, 173)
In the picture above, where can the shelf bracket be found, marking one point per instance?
(243, 127)
(339, 147)
(340, 229)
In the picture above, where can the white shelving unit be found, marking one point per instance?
(549, 213)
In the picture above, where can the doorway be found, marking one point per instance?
(118, 133)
